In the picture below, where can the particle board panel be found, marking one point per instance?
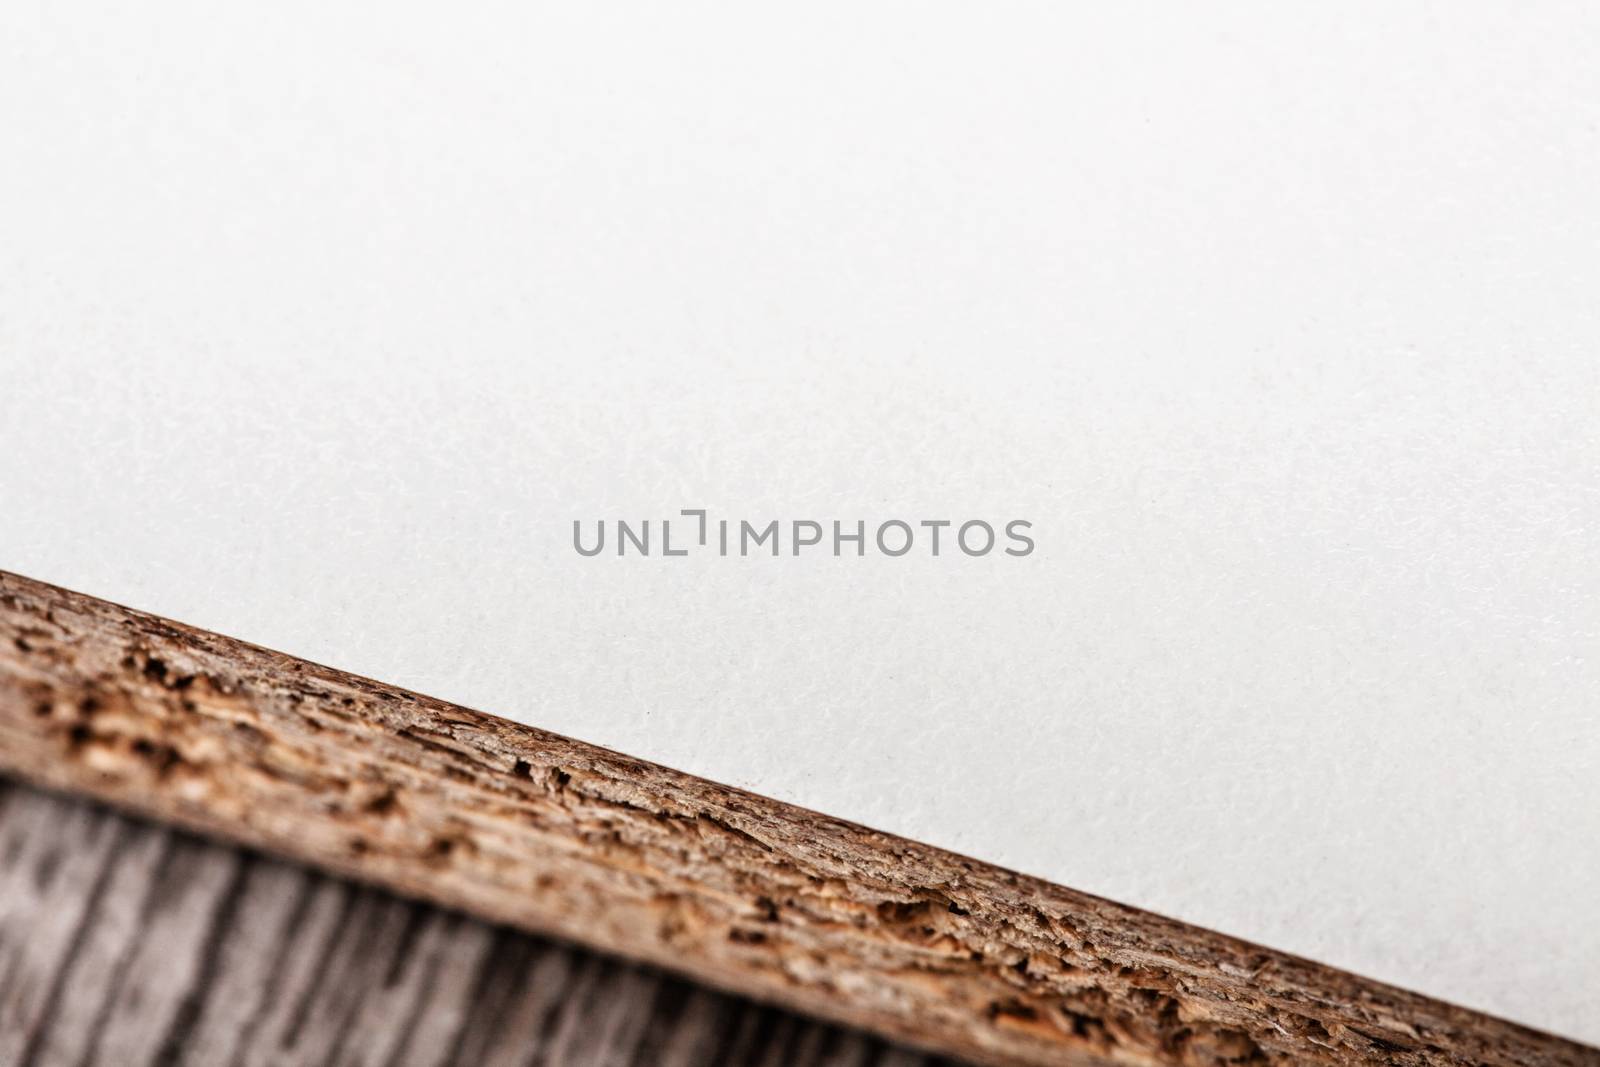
(543, 832)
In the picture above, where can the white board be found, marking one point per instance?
(322, 323)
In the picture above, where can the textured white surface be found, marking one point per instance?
(321, 323)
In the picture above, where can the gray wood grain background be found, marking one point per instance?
(128, 944)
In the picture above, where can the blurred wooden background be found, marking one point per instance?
(128, 944)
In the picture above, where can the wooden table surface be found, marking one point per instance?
(127, 944)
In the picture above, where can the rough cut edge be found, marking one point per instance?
(542, 832)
